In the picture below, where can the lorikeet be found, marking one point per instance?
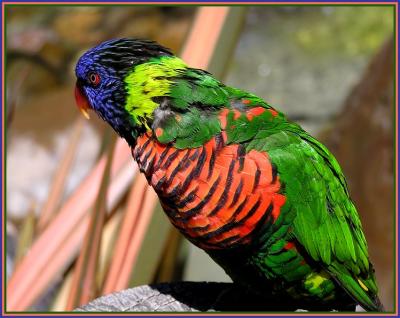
(267, 201)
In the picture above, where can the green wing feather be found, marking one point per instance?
(326, 222)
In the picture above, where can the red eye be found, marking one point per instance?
(94, 79)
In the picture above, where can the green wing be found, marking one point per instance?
(326, 222)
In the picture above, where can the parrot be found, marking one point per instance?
(264, 199)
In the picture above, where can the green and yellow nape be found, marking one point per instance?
(147, 81)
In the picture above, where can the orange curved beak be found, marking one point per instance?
(82, 101)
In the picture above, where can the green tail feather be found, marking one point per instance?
(356, 288)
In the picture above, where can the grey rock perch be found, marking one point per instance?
(189, 297)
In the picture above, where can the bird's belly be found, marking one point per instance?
(217, 195)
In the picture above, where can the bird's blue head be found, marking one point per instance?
(101, 74)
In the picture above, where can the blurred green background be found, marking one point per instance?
(304, 60)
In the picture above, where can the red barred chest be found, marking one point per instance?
(217, 195)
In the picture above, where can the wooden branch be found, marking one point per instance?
(192, 297)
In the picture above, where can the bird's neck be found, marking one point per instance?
(147, 83)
